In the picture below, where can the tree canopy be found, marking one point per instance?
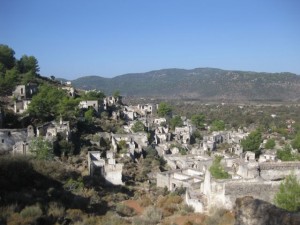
(270, 144)
(252, 141)
(41, 149)
(198, 120)
(45, 104)
(7, 57)
(93, 95)
(138, 127)
(217, 125)
(164, 109)
(217, 170)
(28, 64)
(288, 196)
(13, 71)
(286, 154)
(176, 121)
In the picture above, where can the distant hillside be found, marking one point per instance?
(200, 83)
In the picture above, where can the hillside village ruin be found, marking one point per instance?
(188, 162)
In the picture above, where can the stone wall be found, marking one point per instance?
(162, 179)
(279, 170)
(260, 190)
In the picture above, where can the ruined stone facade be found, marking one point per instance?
(25, 91)
(11, 137)
(86, 104)
(20, 106)
(106, 168)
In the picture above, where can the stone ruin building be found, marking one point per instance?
(23, 95)
(249, 177)
(86, 104)
(105, 168)
(50, 130)
(135, 143)
(15, 141)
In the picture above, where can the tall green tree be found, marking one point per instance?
(164, 109)
(41, 149)
(28, 64)
(68, 107)
(218, 125)
(176, 121)
(288, 196)
(198, 120)
(252, 141)
(88, 115)
(45, 104)
(7, 57)
(8, 81)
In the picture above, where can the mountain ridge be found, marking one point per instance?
(204, 83)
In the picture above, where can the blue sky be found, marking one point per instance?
(72, 38)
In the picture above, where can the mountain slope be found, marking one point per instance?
(204, 83)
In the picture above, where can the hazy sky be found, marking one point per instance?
(72, 38)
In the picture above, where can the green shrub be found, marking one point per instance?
(270, 144)
(217, 170)
(124, 210)
(288, 196)
(31, 212)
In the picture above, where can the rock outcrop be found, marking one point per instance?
(250, 211)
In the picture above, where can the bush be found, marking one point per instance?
(31, 212)
(288, 196)
(56, 209)
(217, 170)
(270, 144)
(76, 215)
(124, 210)
(150, 216)
(286, 154)
(145, 201)
(215, 217)
(169, 204)
(113, 219)
(138, 127)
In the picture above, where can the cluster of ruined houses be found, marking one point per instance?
(17, 141)
(259, 178)
(249, 176)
